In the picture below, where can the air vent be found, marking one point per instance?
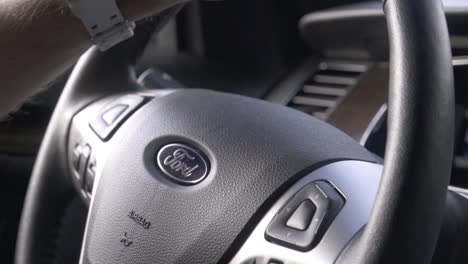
(327, 87)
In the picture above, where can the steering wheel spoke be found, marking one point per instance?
(169, 175)
(356, 182)
(91, 131)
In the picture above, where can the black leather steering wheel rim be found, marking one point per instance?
(408, 212)
(420, 142)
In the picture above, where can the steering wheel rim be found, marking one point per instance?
(420, 137)
(413, 171)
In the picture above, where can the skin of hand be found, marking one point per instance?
(39, 39)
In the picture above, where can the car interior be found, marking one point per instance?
(250, 131)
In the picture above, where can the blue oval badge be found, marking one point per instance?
(183, 164)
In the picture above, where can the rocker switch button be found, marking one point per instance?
(111, 115)
(108, 120)
(76, 157)
(303, 220)
(302, 217)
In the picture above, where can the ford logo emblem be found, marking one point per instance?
(183, 164)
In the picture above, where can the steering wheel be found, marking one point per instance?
(196, 176)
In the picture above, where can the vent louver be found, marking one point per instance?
(327, 87)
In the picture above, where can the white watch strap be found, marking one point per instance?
(103, 20)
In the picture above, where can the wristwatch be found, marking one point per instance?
(103, 20)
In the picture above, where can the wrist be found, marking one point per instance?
(103, 20)
(104, 32)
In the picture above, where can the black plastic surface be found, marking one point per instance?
(326, 203)
(79, 158)
(327, 32)
(274, 261)
(108, 120)
(76, 158)
(302, 216)
(90, 175)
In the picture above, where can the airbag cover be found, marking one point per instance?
(255, 150)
